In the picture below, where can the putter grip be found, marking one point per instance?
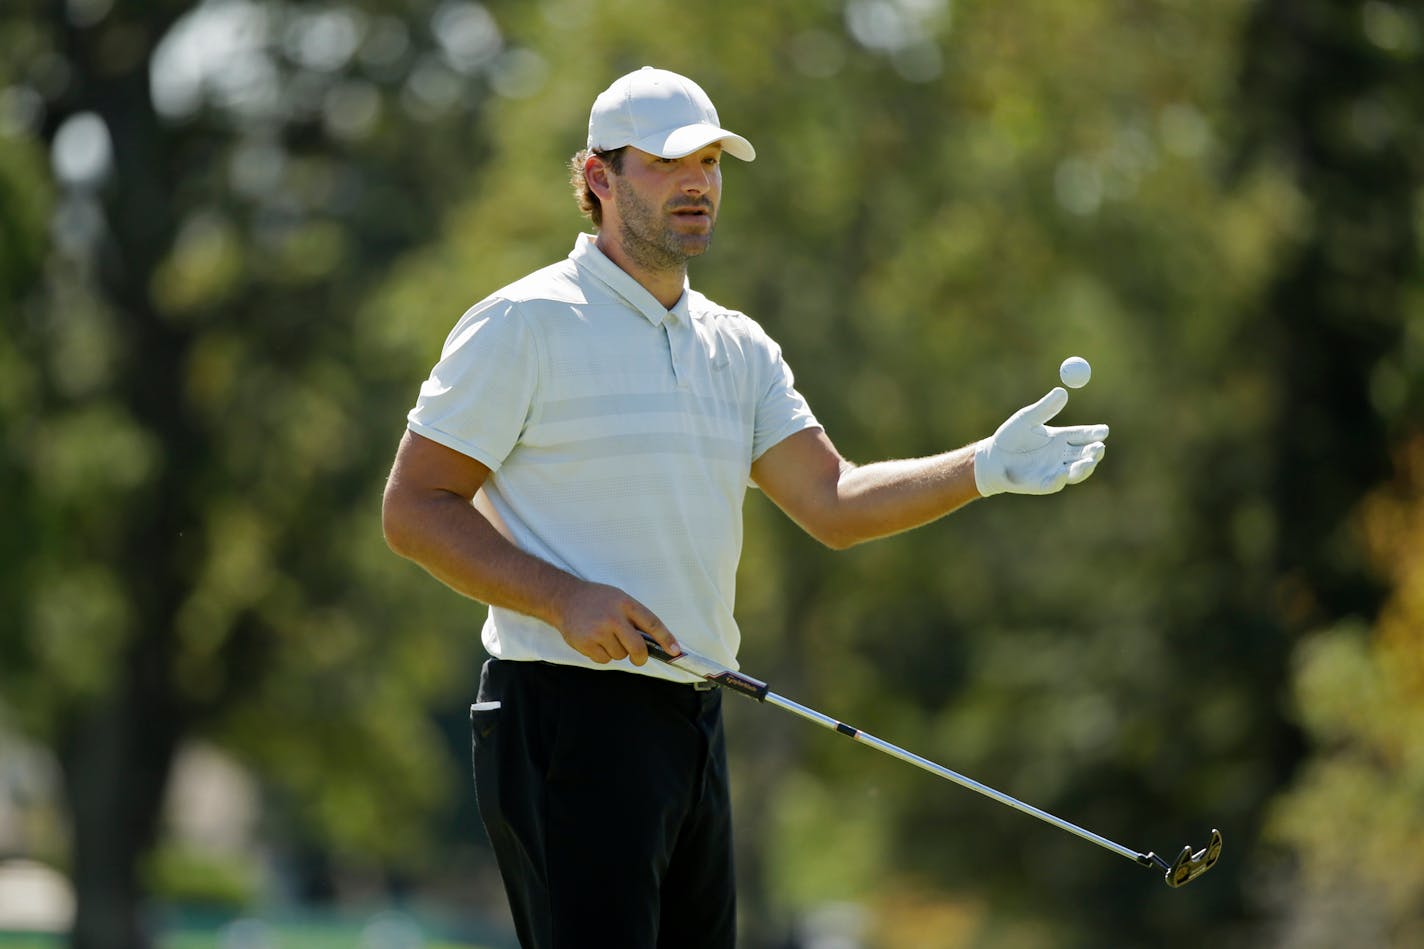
(711, 671)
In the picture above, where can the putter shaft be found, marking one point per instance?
(895, 751)
(1187, 867)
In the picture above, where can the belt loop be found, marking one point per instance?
(703, 686)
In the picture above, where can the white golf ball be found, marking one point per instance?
(1075, 372)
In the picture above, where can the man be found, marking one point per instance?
(577, 460)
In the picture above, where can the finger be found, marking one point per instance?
(1079, 470)
(1045, 408)
(1085, 434)
(1053, 481)
(597, 653)
(613, 643)
(645, 621)
(630, 641)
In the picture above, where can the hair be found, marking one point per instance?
(588, 202)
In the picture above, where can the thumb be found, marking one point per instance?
(1044, 409)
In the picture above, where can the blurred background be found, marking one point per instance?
(234, 234)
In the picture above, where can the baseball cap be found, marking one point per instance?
(661, 113)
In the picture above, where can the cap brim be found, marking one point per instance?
(689, 138)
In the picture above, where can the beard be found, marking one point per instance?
(649, 239)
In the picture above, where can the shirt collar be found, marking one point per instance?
(588, 257)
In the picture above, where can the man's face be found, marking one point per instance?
(665, 209)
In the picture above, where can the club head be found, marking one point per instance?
(1188, 865)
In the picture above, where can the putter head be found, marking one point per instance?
(1188, 865)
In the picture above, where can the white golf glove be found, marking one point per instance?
(1026, 456)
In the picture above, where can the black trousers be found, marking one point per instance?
(605, 797)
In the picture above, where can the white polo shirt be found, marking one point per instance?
(620, 436)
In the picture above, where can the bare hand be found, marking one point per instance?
(605, 624)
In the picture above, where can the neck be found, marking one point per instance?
(665, 280)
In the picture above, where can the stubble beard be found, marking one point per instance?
(649, 241)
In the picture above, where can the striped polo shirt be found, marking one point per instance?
(620, 437)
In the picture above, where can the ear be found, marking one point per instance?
(595, 172)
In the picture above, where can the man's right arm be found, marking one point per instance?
(428, 516)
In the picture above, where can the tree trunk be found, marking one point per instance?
(116, 762)
(116, 754)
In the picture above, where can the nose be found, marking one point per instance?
(697, 178)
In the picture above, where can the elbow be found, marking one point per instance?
(392, 536)
(835, 527)
(394, 525)
(836, 537)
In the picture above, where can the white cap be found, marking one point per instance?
(661, 113)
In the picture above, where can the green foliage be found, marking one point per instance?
(186, 875)
(1216, 203)
(25, 200)
(1351, 821)
(196, 427)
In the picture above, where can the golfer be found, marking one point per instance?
(577, 460)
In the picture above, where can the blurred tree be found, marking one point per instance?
(1333, 94)
(1333, 97)
(196, 427)
(1352, 823)
(1216, 203)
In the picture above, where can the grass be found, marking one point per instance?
(296, 938)
(288, 936)
(378, 927)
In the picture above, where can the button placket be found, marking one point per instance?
(676, 335)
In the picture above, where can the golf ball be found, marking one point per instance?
(1075, 372)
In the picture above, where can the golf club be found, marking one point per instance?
(1188, 865)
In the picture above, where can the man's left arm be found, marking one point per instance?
(841, 504)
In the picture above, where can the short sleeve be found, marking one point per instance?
(781, 411)
(479, 396)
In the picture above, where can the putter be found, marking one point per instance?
(1188, 865)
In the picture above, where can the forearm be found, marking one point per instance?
(842, 504)
(457, 545)
(430, 515)
(888, 497)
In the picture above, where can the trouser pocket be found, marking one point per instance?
(484, 755)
